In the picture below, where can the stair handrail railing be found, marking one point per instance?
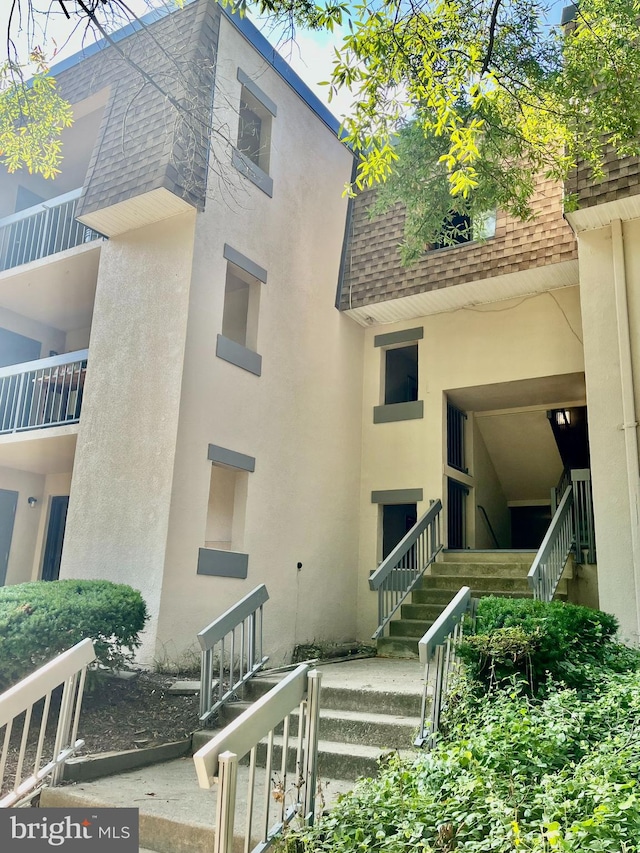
(558, 490)
(483, 512)
(246, 658)
(216, 763)
(401, 570)
(553, 554)
(69, 669)
(437, 650)
(583, 515)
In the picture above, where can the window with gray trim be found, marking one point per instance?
(401, 374)
(222, 554)
(252, 153)
(241, 306)
(254, 130)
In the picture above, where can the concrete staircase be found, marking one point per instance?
(368, 708)
(485, 572)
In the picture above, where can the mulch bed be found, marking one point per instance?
(118, 715)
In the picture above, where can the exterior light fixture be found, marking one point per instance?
(32, 502)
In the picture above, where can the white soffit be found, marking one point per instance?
(477, 292)
(604, 214)
(136, 212)
(40, 451)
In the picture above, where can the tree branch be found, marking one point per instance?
(492, 37)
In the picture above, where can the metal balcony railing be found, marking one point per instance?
(43, 393)
(42, 230)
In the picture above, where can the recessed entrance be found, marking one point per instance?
(520, 437)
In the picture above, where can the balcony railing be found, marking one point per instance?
(42, 393)
(42, 230)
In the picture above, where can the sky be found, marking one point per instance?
(311, 55)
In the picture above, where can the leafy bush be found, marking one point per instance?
(40, 620)
(514, 774)
(536, 639)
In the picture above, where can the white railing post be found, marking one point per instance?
(310, 774)
(226, 808)
(298, 691)
(16, 703)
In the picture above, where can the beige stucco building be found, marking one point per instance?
(215, 372)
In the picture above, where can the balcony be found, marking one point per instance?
(43, 393)
(42, 230)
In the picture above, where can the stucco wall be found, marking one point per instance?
(301, 418)
(489, 494)
(121, 489)
(501, 342)
(613, 516)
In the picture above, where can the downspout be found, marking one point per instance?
(629, 422)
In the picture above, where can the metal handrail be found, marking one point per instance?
(216, 763)
(70, 669)
(42, 230)
(437, 650)
(553, 554)
(583, 515)
(489, 525)
(245, 617)
(42, 393)
(401, 571)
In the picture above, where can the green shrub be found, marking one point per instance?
(536, 639)
(514, 775)
(40, 620)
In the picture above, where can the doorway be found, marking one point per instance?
(8, 504)
(397, 521)
(456, 514)
(55, 537)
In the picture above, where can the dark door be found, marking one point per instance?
(397, 519)
(8, 503)
(55, 538)
(456, 514)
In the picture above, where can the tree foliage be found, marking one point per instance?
(460, 105)
(32, 117)
(463, 104)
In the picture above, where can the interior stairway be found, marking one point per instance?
(485, 572)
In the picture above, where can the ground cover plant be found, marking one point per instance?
(40, 620)
(515, 771)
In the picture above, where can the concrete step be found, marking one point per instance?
(355, 697)
(342, 760)
(363, 727)
(481, 570)
(426, 613)
(408, 627)
(430, 596)
(485, 585)
(469, 556)
(398, 647)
